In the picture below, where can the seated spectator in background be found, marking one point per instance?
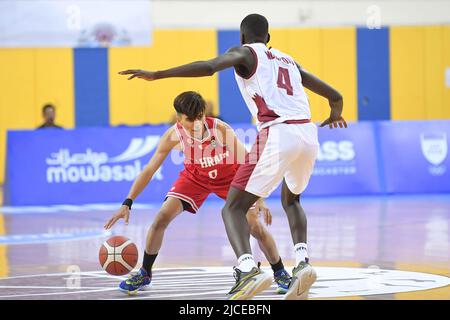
(209, 112)
(48, 113)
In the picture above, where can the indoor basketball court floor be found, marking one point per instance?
(394, 247)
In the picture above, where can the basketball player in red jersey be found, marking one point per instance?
(272, 85)
(212, 155)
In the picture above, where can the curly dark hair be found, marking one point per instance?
(191, 104)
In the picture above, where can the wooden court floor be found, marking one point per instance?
(394, 247)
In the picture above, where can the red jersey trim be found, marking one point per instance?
(205, 123)
(218, 134)
(299, 121)
(184, 198)
(177, 131)
(255, 66)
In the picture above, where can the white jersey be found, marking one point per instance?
(273, 91)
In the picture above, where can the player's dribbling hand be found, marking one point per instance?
(334, 123)
(123, 212)
(142, 74)
(261, 207)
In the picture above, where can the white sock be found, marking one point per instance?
(301, 252)
(246, 262)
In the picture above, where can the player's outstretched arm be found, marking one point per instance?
(166, 144)
(323, 89)
(233, 57)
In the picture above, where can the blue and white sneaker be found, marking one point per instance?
(136, 282)
(283, 280)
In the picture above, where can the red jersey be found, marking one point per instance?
(207, 161)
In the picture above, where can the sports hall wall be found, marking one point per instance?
(392, 73)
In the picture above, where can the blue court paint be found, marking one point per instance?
(232, 105)
(91, 87)
(373, 74)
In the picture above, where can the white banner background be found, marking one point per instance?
(67, 23)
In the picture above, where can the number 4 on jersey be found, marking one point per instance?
(284, 81)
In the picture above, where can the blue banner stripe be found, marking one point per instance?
(232, 105)
(373, 74)
(91, 87)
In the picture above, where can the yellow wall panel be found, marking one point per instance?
(419, 57)
(446, 65)
(4, 263)
(18, 90)
(54, 84)
(30, 78)
(407, 63)
(339, 66)
(152, 102)
(17, 96)
(316, 51)
(127, 103)
(306, 47)
(434, 75)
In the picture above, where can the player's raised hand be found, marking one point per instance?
(123, 212)
(142, 74)
(334, 123)
(262, 208)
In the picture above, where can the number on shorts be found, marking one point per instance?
(213, 174)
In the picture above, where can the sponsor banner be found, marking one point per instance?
(415, 156)
(74, 23)
(99, 165)
(346, 162)
(91, 165)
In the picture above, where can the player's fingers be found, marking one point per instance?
(108, 224)
(113, 221)
(269, 217)
(323, 124)
(266, 217)
(340, 124)
(130, 71)
(133, 76)
(335, 125)
(345, 124)
(127, 218)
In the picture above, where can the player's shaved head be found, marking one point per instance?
(254, 27)
(191, 104)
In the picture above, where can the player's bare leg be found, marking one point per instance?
(142, 279)
(250, 280)
(303, 275)
(171, 208)
(234, 217)
(268, 246)
(265, 240)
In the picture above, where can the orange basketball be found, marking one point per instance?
(118, 255)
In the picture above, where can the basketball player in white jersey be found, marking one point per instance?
(272, 85)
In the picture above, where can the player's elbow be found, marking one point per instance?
(209, 68)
